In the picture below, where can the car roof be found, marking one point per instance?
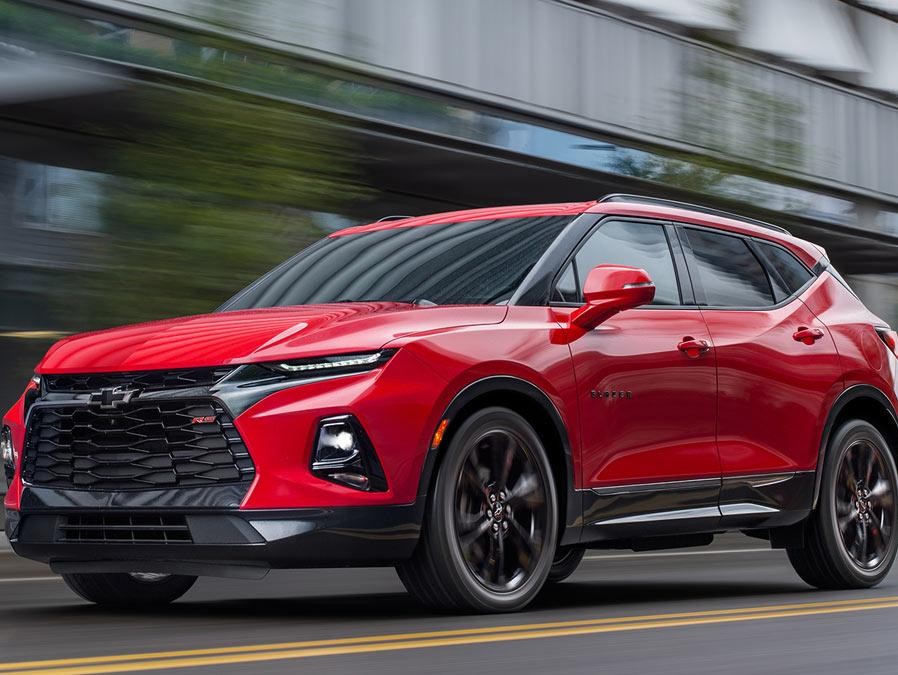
(809, 253)
(490, 213)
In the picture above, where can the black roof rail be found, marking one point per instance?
(639, 199)
(386, 218)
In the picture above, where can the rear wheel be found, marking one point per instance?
(492, 519)
(567, 559)
(850, 539)
(129, 590)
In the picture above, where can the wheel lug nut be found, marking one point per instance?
(492, 499)
(504, 524)
(502, 496)
(495, 527)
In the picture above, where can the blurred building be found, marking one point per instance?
(786, 111)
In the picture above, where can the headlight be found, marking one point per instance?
(333, 365)
(344, 454)
(248, 384)
(8, 452)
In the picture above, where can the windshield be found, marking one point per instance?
(471, 263)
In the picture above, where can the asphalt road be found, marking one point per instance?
(713, 610)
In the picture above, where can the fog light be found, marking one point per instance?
(8, 452)
(344, 454)
(337, 444)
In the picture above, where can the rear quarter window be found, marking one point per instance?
(789, 274)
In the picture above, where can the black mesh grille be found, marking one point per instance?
(125, 528)
(162, 444)
(151, 380)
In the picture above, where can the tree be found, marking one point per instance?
(207, 193)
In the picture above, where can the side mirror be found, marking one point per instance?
(610, 289)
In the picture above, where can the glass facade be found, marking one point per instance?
(406, 109)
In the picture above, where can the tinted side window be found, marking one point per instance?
(793, 275)
(625, 243)
(729, 272)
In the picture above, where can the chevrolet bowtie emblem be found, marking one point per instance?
(109, 398)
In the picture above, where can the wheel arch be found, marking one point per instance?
(535, 406)
(864, 402)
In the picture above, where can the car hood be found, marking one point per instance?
(254, 336)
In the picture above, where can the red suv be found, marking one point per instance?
(475, 398)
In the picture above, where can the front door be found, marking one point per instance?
(647, 388)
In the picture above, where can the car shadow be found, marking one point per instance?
(375, 607)
(573, 594)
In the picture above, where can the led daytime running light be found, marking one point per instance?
(348, 362)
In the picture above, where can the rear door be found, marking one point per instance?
(777, 367)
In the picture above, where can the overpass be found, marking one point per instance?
(474, 103)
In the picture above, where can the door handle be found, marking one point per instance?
(807, 335)
(694, 348)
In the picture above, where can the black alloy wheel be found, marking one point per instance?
(500, 510)
(865, 504)
(491, 527)
(850, 539)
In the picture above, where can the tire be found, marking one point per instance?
(475, 555)
(567, 560)
(129, 590)
(851, 538)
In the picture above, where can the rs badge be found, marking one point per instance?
(207, 419)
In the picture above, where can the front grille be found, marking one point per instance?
(127, 528)
(138, 446)
(151, 380)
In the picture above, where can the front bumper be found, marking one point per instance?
(226, 542)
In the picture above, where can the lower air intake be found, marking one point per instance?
(127, 528)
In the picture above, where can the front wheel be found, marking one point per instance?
(129, 590)
(492, 519)
(850, 539)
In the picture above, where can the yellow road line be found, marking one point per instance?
(368, 644)
(34, 334)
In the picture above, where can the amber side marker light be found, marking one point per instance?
(438, 436)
